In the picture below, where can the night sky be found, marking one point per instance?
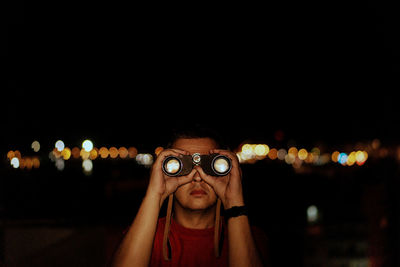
(319, 72)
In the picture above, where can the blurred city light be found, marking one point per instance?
(247, 153)
(312, 214)
(87, 166)
(15, 162)
(59, 145)
(35, 146)
(87, 145)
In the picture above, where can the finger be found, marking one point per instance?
(187, 178)
(207, 178)
(171, 152)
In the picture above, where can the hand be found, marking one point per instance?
(162, 185)
(228, 187)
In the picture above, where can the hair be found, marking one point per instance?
(195, 130)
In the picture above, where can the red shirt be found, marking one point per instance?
(189, 247)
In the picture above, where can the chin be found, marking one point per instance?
(199, 204)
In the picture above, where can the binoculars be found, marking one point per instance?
(213, 165)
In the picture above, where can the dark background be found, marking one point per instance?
(324, 74)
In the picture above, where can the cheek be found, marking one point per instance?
(182, 191)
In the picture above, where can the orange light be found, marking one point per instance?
(132, 151)
(103, 151)
(123, 152)
(273, 153)
(302, 154)
(66, 153)
(93, 154)
(75, 152)
(158, 150)
(36, 162)
(113, 152)
(10, 154)
(335, 156)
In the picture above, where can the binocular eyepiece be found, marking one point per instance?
(214, 164)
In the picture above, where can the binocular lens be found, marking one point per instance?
(221, 165)
(172, 166)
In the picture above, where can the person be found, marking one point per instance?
(194, 234)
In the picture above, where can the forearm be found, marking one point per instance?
(136, 247)
(242, 248)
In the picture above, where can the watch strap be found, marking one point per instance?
(235, 211)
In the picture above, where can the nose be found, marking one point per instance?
(196, 177)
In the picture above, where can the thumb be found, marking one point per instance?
(187, 178)
(207, 178)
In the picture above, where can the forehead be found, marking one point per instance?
(195, 145)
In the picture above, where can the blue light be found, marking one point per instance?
(342, 158)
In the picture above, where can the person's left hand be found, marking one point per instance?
(229, 187)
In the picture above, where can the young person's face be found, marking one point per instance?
(196, 195)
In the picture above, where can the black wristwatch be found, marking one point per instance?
(235, 211)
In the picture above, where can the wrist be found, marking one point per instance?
(235, 211)
(232, 203)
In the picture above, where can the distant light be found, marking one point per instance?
(290, 158)
(76, 152)
(15, 162)
(87, 145)
(36, 162)
(10, 154)
(87, 165)
(60, 164)
(361, 157)
(261, 150)
(66, 153)
(103, 151)
(281, 153)
(35, 146)
(302, 154)
(147, 159)
(312, 214)
(113, 152)
(132, 151)
(93, 154)
(59, 145)
(247, 151)
(144, 159)
(158, 150)
(293, 151)
(273, 153)
(335, 156)
(123, 152)
(342, 159)
(351, 159)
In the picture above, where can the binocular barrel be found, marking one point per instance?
(214, 164)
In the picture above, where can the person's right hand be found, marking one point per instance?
(163, 185)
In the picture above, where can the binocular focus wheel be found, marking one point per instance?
(172, 166)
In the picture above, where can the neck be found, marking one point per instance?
(194, 219)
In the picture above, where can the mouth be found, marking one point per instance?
(198, 192)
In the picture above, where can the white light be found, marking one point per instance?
(147, 159)
(15, 162)
(312, 213)
(87, 145)
(144, 159)
(87, 165)
(59, 145)
(60, 164)
(35, 146)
